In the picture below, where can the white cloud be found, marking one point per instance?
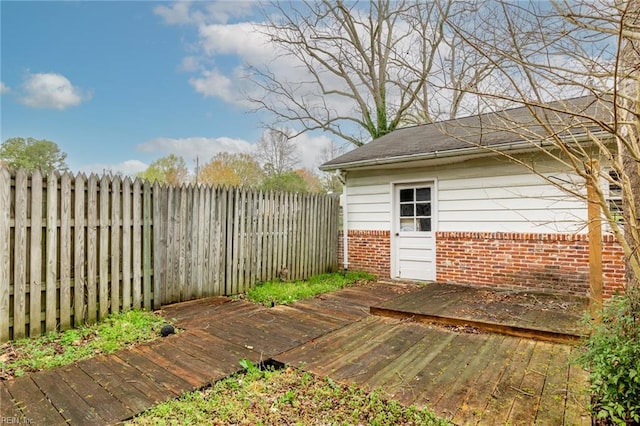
(182, 12)
(49, 90)
(126, 168)
(314, 150)
(179, 13)
(190, 64)
(192, 147)
(235, 39)
(4, 88)
(215, 84)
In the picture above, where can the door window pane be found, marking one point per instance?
(406, 210)
(424, 225)
(423, 194)
(423, 209)
(406, 195)
(406, 225)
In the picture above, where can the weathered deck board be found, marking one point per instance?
(170, 382)
(507, 388)
(466, 350)
(227, 353)
(321, 355)
(399, 374)
(577, 398)
(194, 308)
(120, 382)
(317, 318)
(531, 386)
(330, 309)
(33, 403)
(8, 407)
(472, 408)
(461, 387)
(94, 395)
(383, 350)
(172, 360)
(554, 397)
(432, 379)
(68, 403)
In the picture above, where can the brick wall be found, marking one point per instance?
(369, 251)
(555, 262)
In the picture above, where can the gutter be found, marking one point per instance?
(345, 222)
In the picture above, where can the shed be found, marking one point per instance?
(441, 202)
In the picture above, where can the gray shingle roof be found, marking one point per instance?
(475, 132)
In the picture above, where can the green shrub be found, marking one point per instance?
(612, 357)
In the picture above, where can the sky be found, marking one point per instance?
(119, 84)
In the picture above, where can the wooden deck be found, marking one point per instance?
(469, 378)
(542, 316)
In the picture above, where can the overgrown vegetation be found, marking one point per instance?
(281, 292)
(277, 397)
(55, 349)
(612, 357)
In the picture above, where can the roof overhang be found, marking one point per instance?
(457, 155)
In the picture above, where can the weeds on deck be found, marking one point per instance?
(284, 292)
(61, 348)
(270, 396)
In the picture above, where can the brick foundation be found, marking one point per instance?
(369, 251)
(543, 262)
(547, 262)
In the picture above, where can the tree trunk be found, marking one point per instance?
(629, 113)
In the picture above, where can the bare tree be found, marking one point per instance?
(359, 70)
(276, 151)
(553, 52)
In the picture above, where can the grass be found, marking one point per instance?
(61, 348)
(279, 292)
(292, 397)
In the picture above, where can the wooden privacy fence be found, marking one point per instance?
(74, 249)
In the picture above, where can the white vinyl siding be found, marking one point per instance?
(485, 195)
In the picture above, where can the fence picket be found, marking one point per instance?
(103, 253)
(126, 245)
(207, 282)
(136, 247)
(116, 214)
(146, 245)
(51, 252)
(92, 249)
(159, 244)
(79, 270)
(35, 263)
(173, 247)
(65, 252)
(19, 256)
(182, 242)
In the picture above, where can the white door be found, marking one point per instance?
(414, 239)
